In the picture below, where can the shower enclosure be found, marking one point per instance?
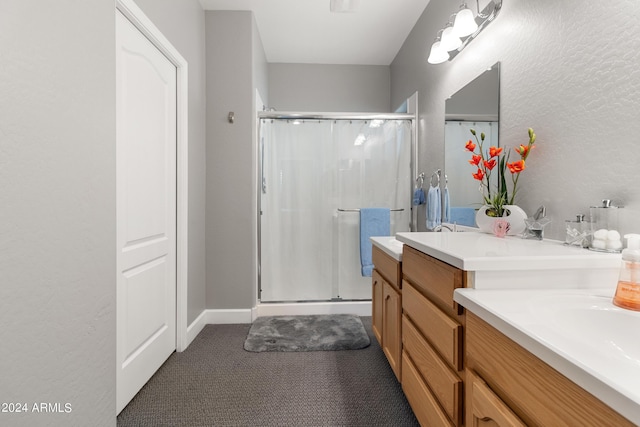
(316, 172)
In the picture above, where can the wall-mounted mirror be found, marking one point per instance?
(475, 106)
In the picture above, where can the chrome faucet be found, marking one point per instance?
(438, 228)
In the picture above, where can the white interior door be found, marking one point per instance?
(146, 209)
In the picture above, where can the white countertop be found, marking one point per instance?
(511, 261)
(596, 354)
(390, 245)
(475, 251)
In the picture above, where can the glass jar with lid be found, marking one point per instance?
(605, 235)
(578, 232)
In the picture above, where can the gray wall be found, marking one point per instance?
(57, 210)
(569, 70)
(231, 184)
(182, 23)
(317, 87)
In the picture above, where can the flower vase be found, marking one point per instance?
(512, 213)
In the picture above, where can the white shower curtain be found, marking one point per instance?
(310, 170)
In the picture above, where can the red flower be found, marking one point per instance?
(494, 151)
(522, 150)
(516, 167)
(470, 146)
(490, 164)
(479, 175)
(475, 160)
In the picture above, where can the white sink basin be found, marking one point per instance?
(593, 321)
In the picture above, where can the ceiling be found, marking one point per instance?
(305, 31)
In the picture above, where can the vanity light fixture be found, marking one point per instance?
(465, 23)
(459, 32)
(438, 54)
(450, 41)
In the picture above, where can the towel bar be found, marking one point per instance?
(358, 210)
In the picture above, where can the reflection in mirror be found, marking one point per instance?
(475, 106)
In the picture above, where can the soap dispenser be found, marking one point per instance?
(628, 290)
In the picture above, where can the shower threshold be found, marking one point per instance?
(299, 308)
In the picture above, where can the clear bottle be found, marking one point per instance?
(628, 290)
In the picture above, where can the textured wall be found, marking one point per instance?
(318, 87)
(57, 211)
(568, 69)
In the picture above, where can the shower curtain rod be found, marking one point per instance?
(333, 116)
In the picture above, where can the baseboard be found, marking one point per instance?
(196, 327)
(359, 308)
(228, 316)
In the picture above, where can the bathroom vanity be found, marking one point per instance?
(494, 329)
(386, 302)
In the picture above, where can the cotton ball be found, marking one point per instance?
(598, 244)
(613, 235)
(601, 234)
(614, 244)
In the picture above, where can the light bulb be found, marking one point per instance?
(449, 40)
(464, 24)
(437, 55)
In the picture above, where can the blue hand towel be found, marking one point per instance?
(373, 222)
(446, 216)
(434, 207)
(463, 216)
(418, 196)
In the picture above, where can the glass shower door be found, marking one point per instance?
(296, 249)
(374, 170)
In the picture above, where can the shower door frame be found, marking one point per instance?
(291, 115)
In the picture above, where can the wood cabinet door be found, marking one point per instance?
(484, 408)
(392, 321)
(376, 305)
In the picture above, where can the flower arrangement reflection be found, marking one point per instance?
(494, 159)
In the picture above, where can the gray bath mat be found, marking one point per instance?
(307, 333)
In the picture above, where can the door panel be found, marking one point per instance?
(146, 209)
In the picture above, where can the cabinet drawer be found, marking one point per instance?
(424, 405)
(387, 266)
(433, 277)
(442, 381)
(483, 406)
(442, 332)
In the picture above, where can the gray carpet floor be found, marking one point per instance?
(215, 382)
